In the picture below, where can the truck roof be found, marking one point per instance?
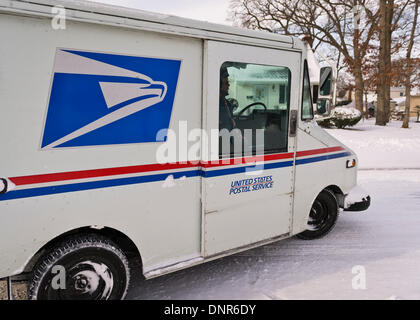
(99, 13)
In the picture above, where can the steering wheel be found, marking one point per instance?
(251, 105)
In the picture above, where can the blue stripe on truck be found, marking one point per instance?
(72, 187)
(322, 158)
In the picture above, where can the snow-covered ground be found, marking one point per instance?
(382, 147)
(383, 242)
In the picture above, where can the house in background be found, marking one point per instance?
(397, 100)
(414, 104)
(397, 92)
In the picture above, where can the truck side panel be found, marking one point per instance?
(322, 166)
(131, 201)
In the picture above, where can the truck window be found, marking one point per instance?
(307, 108)
(255, 97)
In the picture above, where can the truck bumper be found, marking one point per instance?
(357, 200)
(359, 206)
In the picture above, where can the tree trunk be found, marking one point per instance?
(365, 109)
(381, 85)
(357, 70)
(358, 89)
(409, 69)
(388, 65)
(407, 101)
(350, 94)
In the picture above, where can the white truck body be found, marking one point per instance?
(67, 170)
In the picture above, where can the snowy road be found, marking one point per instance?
(385, 240)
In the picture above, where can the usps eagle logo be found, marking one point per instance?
(106, 99)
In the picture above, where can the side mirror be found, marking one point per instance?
(325, 80)
(322, 106)
(315, 93)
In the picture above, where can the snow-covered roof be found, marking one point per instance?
(397, 89)
(399, 100)
(415, 92)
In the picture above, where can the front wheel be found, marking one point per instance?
(323, 216)
(87, 267)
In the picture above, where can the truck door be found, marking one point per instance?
(247, 192)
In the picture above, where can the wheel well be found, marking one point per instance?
(338, 193)
(119, 238)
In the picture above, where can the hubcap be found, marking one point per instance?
(92, 279)
(86, 280)
(318, 216)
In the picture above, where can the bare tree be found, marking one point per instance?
(383, 88)
(345, 25)
(390, 22)
(409, 69)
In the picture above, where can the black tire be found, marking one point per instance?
(323, 216)
(95, 269)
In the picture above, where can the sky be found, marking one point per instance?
(205, 10)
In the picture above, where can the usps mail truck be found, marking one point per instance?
(128, 134)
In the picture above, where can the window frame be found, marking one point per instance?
(287, 96)
(306, 68)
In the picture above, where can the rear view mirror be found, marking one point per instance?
(325, 80)
(315, 93)
(322, 106)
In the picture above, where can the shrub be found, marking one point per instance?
(323, 122)
(343, 103)
(341, 117)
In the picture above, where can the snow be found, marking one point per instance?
(179, 265)
(93, 277)
(383, 242)
(400, 101)
(345, 113)
(355, 195)
(380, 147)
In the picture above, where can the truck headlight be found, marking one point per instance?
(3, 185)
(351, 163)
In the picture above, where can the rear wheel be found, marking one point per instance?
(323, 216)
(81, 268)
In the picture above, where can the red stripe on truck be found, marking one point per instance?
(84, 174)
(318, 151)
(62, 176)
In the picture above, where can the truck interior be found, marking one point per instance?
(259, 96)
